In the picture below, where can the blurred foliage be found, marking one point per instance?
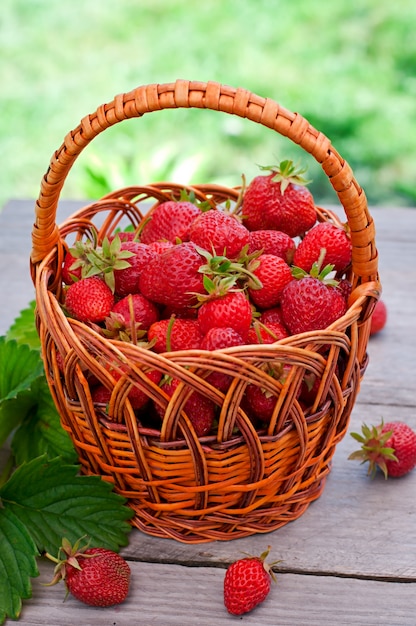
(349, 68)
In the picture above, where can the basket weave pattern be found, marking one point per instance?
(240, 480)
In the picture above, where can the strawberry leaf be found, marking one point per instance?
(53, 501)
(40, 431)
(23, 329)
(17, 564)
(19, 368)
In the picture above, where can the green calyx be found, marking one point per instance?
(317, 272)
(374, 449)
(219, 266)
(285, 173)
(67, 555)
(95, 260)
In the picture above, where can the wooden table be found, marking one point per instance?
(349, 560)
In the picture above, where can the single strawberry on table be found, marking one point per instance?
(390, 446)
(247, 583)
(378, 318)
(95, 576)
(280, 201)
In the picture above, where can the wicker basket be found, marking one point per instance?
(239, 481)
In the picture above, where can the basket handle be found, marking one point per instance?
(218, 97)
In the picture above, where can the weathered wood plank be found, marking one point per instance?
(162, 595)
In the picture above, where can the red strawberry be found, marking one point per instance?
(332, 238)
(172, 278)
(279, 201)
(217, 338)
(175, 334)
(274, 274)
(138, 397)
(71, 269)
(100, 394)
(311, 302)
(260, 402)
(268, 332)
(170, 221)
(272, 315)
(145, 313)
(390, 446)
(199, 409)
(232, 310)
(95, 576)
(89, 300)
(247, 583)
(127, 280)
(86, 259)
(272, 242)
(219, 231)
(160, 246)
(378, 317)
(345, 287)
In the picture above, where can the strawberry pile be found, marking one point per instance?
(197, 277)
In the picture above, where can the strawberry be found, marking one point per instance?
(170, 221)
(172, 278)
(274, 314)
(230, 310)
(175, 334)
(274, 274)
(268, 332)
(272, 242)
(217, 338)
(137, 309)
(247, 583)
(378, 318)
(160, 246)
(219, 231)
(279, 201)
(328, 236)
(260, 402)
(71, 269)
(89, 300)
(310, 302)
(138, 397)
(390, 446)
(95, 576)
(199, 409)
(86, 259)
(127, 280)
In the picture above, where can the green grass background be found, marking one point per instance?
(349, 68)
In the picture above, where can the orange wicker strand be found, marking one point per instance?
(238, 480)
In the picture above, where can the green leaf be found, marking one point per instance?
(55, 502)
(23, 329)
(19, 368)
(17, 564)
(41, 432)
